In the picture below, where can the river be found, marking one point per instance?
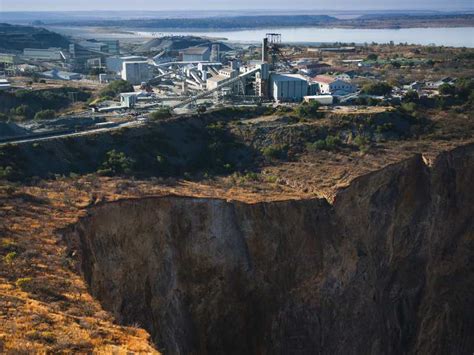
(451, 36)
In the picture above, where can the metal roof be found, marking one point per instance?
(287, 77)
(196, 50)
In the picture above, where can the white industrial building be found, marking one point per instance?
(223, 75)
(332, 85)
(322, 99)
(5, 85)
(95, 46)
(196, 54)
(115, 64)
(288, 87)
(50, 54)
(135, 72)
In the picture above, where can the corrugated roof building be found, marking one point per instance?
(195, 54)
(288, 87)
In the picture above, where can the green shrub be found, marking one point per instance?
(6, 172)
(329, 143)
(385, 127)
(271, 179)
(372, 57)
(115, 88)
(275, 152)
(8, 259)
(23, 283)
(160, 114)
(45, 115)
(409, 107)
(307, 109)
(332, 142)
(447, 89)
(411, 96)
(363, 143)
(116, 163)
(380, 88)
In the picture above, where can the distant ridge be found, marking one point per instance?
(15, 38)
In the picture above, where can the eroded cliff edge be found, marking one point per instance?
(387, 268)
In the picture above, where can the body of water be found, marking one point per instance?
(451, 36)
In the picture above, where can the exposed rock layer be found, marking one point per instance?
(386, 269)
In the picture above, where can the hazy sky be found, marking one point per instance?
(85, 5)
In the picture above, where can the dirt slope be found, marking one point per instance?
(384, 269)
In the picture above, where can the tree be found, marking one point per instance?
(464, 88)
(201, 109)
(380, 89)
(115, 88)
(308, 109)
(411, 96)
(22, 111)
(372, 56)
(160, 114)
(116, 163)
(447, 89)
(45, 115)
(430, 63)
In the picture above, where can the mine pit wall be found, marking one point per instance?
(387, 268)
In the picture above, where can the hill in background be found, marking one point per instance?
(15, 38)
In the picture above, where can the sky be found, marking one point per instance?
(183, 5)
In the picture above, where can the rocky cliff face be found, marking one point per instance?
(386, 269)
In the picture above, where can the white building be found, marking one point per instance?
(115, 64)
(223, 75)
(50, 54)
(4, 85)
(288, 87)
(322, 99)
(135, 72)
(95, 46)
(332, 85)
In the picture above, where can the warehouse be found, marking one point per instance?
(135, 72)
(334, 86)
(115, 64)
(288, 87)
(196, 54)
(50, 54)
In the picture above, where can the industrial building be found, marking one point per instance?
(288, 87)
(8, 63)
(215, 53)
(115, 64)
(105, 78)
(128, 99)
(94, 46)
(196, 54)
(102, 46)
(7, 58)
(50, 54)
(4, 85)
(135, 72)
(113, 45)
(223, 74)
(322, 99)
(332, 85)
